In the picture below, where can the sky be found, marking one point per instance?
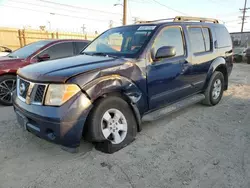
(96, 15)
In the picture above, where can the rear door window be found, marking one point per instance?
(196, 38)
(60, 50)
(207, 39)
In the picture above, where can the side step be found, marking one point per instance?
(173, 108)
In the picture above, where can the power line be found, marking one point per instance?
(130, 12)
(137, 1)
(231, 21)
(59, 14)
(33, 4)
(219, 2)
(78, 7)
(170, 7)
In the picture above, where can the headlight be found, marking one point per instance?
(57, 94)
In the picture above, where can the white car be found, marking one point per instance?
(4, 51)
(239, 54)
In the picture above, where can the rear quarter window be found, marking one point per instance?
(223, 37)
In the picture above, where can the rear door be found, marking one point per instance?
(168, 78)
(202, 52)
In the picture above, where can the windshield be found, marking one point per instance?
(28, 50)
(122, 41)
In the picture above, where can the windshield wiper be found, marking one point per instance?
(11, 56)
(99, 54)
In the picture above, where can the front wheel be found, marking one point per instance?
(111, 124)
(215, 89)
(7, 87)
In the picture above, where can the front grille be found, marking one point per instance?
(29, 92)
(39, 93)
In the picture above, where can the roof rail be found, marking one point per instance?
(188, 18)
(153, 21)
(181, 19)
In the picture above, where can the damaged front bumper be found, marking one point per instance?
(62, 125)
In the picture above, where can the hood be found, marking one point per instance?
(62, 69)
(5, 60)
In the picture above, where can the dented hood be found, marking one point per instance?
(62, 69)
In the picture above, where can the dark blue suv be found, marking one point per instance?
(127, 75)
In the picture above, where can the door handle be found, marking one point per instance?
(185, 66)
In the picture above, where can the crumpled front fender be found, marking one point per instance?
(116, 83)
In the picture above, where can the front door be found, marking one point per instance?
(168, 79)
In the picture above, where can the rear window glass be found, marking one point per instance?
(222, 36)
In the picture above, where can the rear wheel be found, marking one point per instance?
(111, 124)
(7, 86)
(248, 60)
(215, 89)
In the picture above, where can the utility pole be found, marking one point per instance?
(83, 28)
(124, 12)
(244, 15)
(135, 20)
(111, 23)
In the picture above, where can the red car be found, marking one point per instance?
(33, 53)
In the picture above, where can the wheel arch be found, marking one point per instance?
(8, 73)
(116, 85)
(223, 70)
(219, 64)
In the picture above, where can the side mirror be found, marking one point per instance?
(8, 50)
(165, 52)
(43, 57)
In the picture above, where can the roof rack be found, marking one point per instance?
(189, 18)
(181, 19)
(152, 21)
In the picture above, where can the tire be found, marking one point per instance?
(248, 60)
(104, 127)
(7, 86)
(212, 94)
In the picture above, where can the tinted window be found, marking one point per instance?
(80, 46)
(207, 38)
(29, 49)
(60, 50)
(196, 39)
(223, 37)
(170, 37)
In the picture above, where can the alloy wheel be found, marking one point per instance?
(114, 126)
(216, 89)
(6, 89)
